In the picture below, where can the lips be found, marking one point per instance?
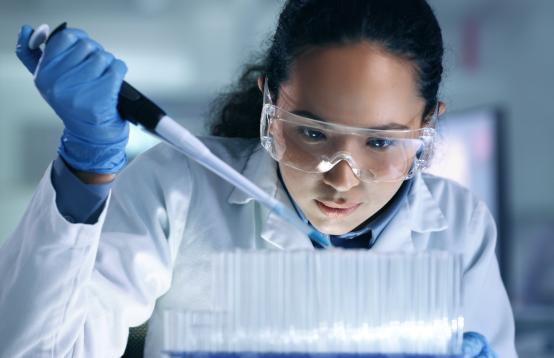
(334, 210)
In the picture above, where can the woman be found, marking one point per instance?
(338, 78)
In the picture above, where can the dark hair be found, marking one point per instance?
(406, 28)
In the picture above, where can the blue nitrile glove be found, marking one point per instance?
(81, 82)
(475, 345)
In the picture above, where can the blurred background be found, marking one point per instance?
(496, 135)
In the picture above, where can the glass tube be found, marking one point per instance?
(332, 301)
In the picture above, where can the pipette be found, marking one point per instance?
(140, 110)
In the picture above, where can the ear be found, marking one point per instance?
(442, 108)
(261, 83)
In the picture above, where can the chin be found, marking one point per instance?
(329, 228)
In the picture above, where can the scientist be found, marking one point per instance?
(348, 96)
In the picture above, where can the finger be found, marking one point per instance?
(473, 344)
(66, 62)
(103, 91)
(28, 57)
(116, 71)
(113, 78)
(61, 42)
(88, 70)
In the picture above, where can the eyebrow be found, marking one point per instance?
(389, 126)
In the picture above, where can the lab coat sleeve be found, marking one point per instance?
(487, 308)
(73, 290)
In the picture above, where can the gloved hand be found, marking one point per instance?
(475, 345)
(81, 82)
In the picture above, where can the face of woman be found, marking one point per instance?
(358, 85)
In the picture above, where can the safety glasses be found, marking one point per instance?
(315, 146)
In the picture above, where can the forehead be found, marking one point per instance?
(357, 84)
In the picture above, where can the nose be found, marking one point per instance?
(341, 177)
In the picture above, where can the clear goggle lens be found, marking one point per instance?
(315, 146)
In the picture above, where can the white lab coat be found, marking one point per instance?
(72, 290)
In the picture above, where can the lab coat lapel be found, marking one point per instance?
(261, 170)
(425, 212)
(397, 236)
(419, 214)
(279, 233)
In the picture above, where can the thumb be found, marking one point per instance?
(475, 346)
(27, 56)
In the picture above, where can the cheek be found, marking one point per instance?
(276, 130)
(300, 185)
(376, 195)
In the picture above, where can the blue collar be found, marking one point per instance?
(373, 226)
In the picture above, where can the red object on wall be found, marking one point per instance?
(470, 43)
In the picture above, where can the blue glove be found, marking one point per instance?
(476, 346)
(81, 82)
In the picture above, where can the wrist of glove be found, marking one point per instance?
(81, 82)
(475, 345)
(104, 158)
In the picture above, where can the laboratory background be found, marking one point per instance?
(496, 138)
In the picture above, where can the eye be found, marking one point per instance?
(312, 134)
(379, 143)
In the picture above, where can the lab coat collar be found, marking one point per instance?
(425, 213)
(420, 212)
(261, 170)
